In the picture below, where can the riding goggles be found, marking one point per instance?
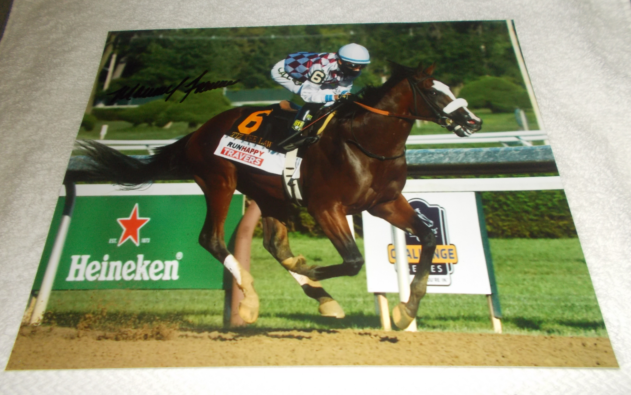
(354, 65)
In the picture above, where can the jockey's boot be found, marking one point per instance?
(294, 140)
(301, 142)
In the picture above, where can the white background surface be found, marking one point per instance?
(578, 57)
(470, 275)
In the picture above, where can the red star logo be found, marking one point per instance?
(131, 227)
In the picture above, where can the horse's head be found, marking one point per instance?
(449, 111)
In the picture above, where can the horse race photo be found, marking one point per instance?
(365, 194)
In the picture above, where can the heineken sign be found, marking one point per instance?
(144, 239)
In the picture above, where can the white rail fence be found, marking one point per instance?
(521, 137)
(137, 145)
(504, 138)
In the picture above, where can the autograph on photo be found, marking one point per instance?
(138, 91)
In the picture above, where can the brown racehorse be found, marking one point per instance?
(358, 164)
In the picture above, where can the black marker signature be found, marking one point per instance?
(138, 91)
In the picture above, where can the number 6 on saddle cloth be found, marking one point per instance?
(269, 126)
(253, 140)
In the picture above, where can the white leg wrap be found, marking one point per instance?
(233, 267)
(302, 280)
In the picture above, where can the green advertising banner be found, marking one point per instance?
(137, 240)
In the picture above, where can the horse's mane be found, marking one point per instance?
(371, 95)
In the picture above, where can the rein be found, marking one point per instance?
(368, 153)
(389, 114)
(415, 90)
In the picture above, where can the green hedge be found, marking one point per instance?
(524, 214)
(147, 113)
(528, 214)
(107, 114)
(496, 93)
(88, 122)
(196, 109)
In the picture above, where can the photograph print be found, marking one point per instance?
(360, 194)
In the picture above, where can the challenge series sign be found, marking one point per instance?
(459, 264)
(445, 255)
(145, 239)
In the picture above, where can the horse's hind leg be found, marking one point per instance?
(276, 242)
(400, 214)
(335, 225)
(218, 189)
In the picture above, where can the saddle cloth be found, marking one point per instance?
(251, 139)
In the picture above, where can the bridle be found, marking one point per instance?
(440, 116)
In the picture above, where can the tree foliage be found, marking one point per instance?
(476, 55)
(463, 51)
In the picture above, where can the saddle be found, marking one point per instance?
(295, 145)
(267, 126)
(263, 131)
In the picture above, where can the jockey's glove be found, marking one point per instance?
(346, 97)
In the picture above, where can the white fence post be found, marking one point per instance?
(403, 269)
(53, 262)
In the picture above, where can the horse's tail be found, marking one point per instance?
(111, 165)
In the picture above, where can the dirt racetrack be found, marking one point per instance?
(65, 348)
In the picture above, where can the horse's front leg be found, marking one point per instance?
(276, 242)
(218, 189)
(400, 214)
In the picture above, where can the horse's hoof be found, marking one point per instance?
(249, 310)
(249, 306)
(331, 309)
(401, 317)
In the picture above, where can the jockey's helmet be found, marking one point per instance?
(353, 58)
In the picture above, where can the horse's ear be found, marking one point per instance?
(419, 69)
(420, 73)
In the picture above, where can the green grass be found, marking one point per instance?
(544, 288)
(549, 281)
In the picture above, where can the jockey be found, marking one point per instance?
(320, 78)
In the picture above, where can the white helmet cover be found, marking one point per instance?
(354, 53)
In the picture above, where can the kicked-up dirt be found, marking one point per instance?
(66, 348)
